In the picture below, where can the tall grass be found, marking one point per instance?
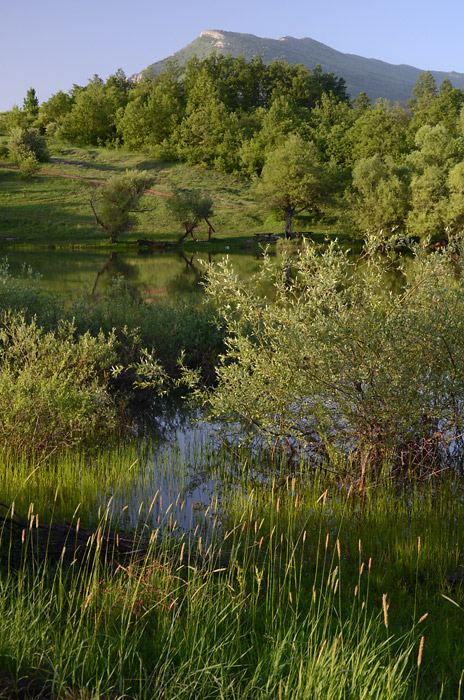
(233, 620)
(280, 588)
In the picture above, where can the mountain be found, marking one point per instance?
(377, 78)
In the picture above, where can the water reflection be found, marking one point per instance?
(155, 276)
(115, 266)
(178, 483)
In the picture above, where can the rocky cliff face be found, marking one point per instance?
(219, 38)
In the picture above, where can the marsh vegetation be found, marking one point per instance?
(289, 553)
(253, 492)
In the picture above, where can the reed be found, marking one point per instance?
(203, 576)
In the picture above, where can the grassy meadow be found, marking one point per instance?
(49, 209)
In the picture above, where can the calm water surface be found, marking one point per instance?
(156, 276)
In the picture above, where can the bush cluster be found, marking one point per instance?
(53, 386)
(68, 373)
(27, 148)
(338, 365)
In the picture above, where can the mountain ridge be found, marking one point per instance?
(371, 75)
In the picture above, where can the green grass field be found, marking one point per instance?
(52, 208)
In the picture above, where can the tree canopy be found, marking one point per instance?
(189, 208)
(294, 179)
(113, 202)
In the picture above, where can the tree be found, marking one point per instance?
(424, 92)
(113, 202)
(455, 210)
(208, 134)
(448, 106)
(380, 200)
(294, 179)
(429, 201)
(31, 103)
(53, 111)
(380, 129)
(14, 118)
(92, 118)
(422, 103)
(189, 208)
(154, 111)
(274, 125)
(330, 125)
(436, 153)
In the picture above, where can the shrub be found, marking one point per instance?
(28, 165)
(59, 387)
(337, 364)
(53, 387)
(24, 143)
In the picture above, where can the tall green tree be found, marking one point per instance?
(208, 134)
(422, 104)
(436, 153)
(31, 103)
(379, 129)
(330, 124)
(153, 113)
(380, 198)
(455, 209)
(92, 119)
(54, 110)
(294, 179)
(447, 107)
(274, 126)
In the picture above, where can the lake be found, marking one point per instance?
(156, 276)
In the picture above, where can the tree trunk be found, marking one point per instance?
(99, 222)
(211, 229)
(186, 234)
(288, 223)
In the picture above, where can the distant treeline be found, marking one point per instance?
(389, 167)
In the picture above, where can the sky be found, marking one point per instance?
(51, 44)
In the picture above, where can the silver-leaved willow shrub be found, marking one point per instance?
(332, 363)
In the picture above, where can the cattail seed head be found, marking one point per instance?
(385, 610)
(421, 649)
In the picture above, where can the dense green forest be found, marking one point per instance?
(386, 170)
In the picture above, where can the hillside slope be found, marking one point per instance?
(377, 78)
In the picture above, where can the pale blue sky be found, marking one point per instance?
(51, 44)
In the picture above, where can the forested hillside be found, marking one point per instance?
(385, 169)
(376, 78)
